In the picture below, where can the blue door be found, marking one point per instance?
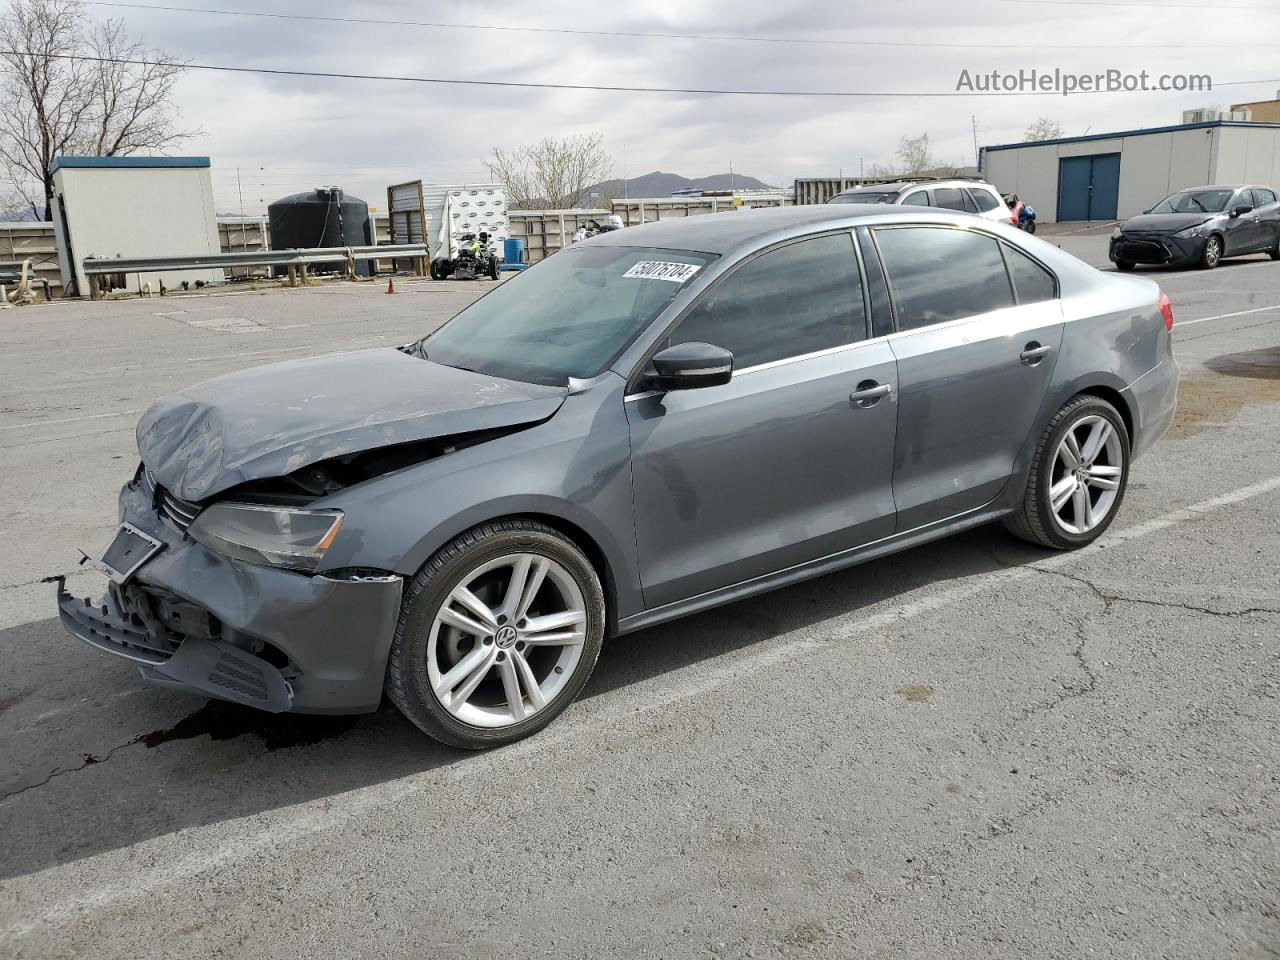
(1089, 187)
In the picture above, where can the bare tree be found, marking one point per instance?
(1043, 129)
(552, 173)
(915, 155)
(68, 91)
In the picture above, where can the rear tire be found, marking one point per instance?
(1125, 266)
(1030, 226)
(1274, 252)
(1064, 507)
(475, 711)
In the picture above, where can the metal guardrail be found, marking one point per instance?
(254, 258)
(296, 260)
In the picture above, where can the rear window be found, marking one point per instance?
(950, 198)
(938, 274)
(984, 200)
(1032, 282)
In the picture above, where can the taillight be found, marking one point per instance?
(1166, 311)
(1014, 221)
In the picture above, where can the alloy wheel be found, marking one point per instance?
(1212, 252)
(1088, 467)
(506, 640)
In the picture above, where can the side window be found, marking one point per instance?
(950, 198)
(920, 198)
(1032, 282)
(1265, 197)
(984, 200)
(1242, 199)
(938, 274)
(797, 299)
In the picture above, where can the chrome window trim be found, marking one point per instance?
(799, 358)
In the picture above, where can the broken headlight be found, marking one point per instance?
(274, 536)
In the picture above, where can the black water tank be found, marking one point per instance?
(323, 217)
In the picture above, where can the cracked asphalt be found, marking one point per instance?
(971, 749)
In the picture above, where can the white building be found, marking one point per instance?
(133, 207)
(1112, 176)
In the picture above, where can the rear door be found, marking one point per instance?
(783, 464)
(1268, 213)
(978, 325)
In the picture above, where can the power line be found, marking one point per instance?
(527, 85)
(635, 34)
(1215, 7)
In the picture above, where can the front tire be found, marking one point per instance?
(1078, 477)
(1212, 254)
(497, 635)
(1124, 266)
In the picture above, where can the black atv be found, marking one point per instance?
(475, 260)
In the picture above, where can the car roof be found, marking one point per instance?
(721, 232)
(898, 186)
(1220, 186)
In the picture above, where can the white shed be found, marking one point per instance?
(1113, 176)
(133, 207)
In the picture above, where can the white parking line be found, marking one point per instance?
(1224, 316)
(205, 849)
(87, 416)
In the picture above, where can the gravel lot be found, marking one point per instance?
(972, 749)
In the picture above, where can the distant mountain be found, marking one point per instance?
(659, 184)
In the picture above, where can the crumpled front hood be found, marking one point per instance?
(1164, 222)
(271, 420)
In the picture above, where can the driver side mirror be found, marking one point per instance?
(1241, 210)
(688, 366)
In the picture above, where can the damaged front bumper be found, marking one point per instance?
(268, 638)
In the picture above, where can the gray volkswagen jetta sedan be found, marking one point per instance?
(645, 425)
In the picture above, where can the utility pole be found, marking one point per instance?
(730, 178)
(244, 244)
(977, 157)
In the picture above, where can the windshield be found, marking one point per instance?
(569, 316)
(867, 197)
(1194, 201)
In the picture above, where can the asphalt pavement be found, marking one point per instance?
(972, 749)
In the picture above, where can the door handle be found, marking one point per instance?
(1033, 353)
(869, 393)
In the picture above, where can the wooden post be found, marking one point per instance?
(95, 289)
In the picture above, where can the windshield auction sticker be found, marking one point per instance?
(663, 270)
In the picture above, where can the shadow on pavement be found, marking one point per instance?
(91, 759)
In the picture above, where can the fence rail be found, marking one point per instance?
(300, 259)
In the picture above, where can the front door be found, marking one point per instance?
(792, 459)
(978, 327)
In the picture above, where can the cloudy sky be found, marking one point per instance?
(288, 134)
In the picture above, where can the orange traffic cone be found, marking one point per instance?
(391, 285)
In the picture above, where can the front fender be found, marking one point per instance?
(574, 469)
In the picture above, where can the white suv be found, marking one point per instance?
(967, 196)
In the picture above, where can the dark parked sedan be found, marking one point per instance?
(1200, 226)
(646, 425)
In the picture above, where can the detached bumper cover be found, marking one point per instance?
(269, 638)
(208, 666)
